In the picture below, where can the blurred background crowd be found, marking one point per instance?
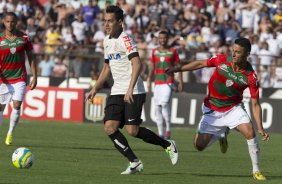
(68, 35)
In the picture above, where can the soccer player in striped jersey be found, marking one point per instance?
(223, 108)
(14, 46)
(124, 104)
(162, 57)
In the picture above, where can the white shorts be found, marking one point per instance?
(214, 122)
(10, 92)
(162, 93)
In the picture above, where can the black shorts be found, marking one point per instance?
(125, 113)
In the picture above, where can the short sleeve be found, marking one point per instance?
(153, 58)
(254, 86)
(129, 44)
(215, 61)
(176, 57)
(28, 44)
(105, 53)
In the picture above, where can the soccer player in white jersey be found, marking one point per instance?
(124, 105)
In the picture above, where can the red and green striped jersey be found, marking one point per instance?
(12, 58)
(226, 86)
(163, 60)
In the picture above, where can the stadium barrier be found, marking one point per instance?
(68, 105)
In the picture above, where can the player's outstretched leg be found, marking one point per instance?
(134, 167)
(14, 119)
(9, 139)
(259, 176)
(149, 136)
(172, 152)
(254, 151)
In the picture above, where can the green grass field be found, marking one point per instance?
(82, 153)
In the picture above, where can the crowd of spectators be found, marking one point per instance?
(68, 37)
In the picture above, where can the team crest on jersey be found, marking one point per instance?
(13, 50)
(229, 83)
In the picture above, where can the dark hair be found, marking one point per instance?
(12, 14)
(164, 32)
(116, 10)
(245, 43)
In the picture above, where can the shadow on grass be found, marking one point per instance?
(165, 173)
(220, 175)
(91, 148)
(268, 177)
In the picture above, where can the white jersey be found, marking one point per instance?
(118, 52)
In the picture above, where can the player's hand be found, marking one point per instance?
(265, 136)
(172, 69)
(33, 83)
(169, 70)
(128, 97)
(89, 97)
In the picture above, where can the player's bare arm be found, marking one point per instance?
(33, 67)
(258, 117)
(180, 80)
(105, 73)
(193, 65)
(136, 69)
(150, 74)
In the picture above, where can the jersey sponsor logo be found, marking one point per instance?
(3, 43)
(114, 56)
(14, 44)
(229, 83)
(18, 42)
(241, 79)
(128, 43)
(224, 67)
(13, 50)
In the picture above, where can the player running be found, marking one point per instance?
(13, 76)
(162, 57)
(124, 105)
(223, 108)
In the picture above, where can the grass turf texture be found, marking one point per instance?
(82, 153)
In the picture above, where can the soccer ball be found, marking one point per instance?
(22, 158)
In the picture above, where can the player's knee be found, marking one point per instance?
(199, 147)
(198, 144)
(164, 105)
(109, 130)
(250, 135)
(2, 107)
(132, 132)
(17, 105)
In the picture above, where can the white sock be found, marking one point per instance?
(1, 117)
(159, 119)
(166, 114)
(14, 119)
(254, 151)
